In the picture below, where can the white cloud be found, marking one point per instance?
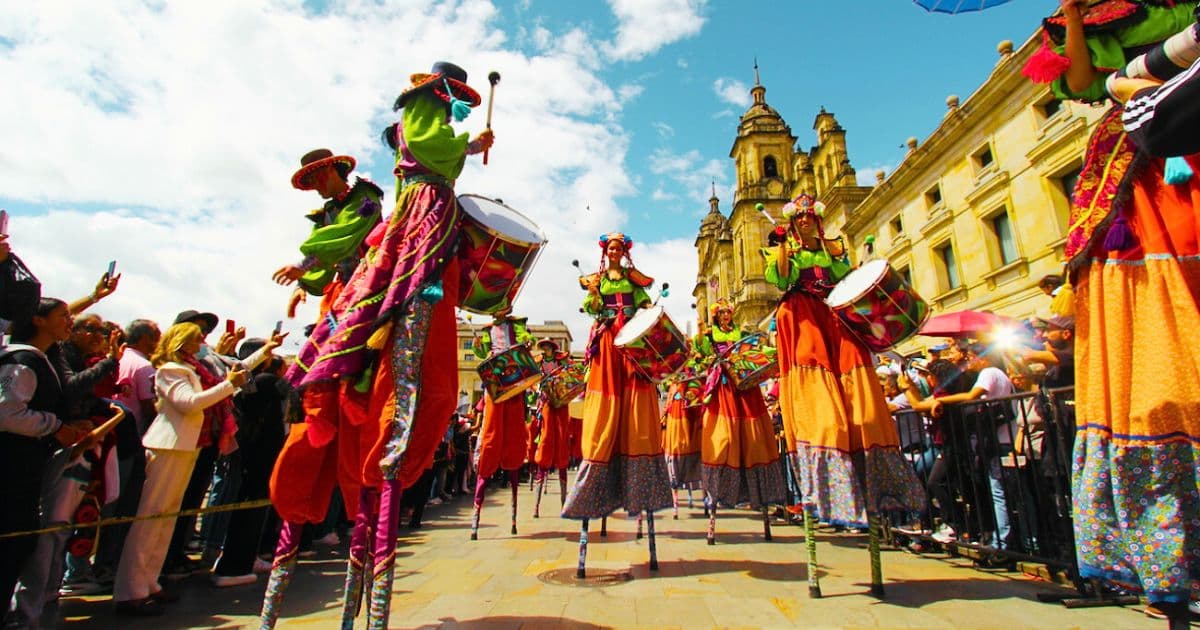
(724, 113)
(732, 91)
(644, 26)
(629, 91)
(692, 173)
(664, 130)
(865, 175)
(682, 63)
(185, 121)
(661, 195)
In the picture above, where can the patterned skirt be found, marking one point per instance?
(1136, 484)
(623, 465)
(739, 451)
(681, 443)
(842, 442)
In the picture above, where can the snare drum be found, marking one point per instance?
(566, 383)
(498, 246)
(878, 306)
(509, 373)
(749, 361)
(692, 389)
(653, 344)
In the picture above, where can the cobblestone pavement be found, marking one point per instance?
(526, 581)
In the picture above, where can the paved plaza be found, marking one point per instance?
(505, 581)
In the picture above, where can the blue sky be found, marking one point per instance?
(164, 135)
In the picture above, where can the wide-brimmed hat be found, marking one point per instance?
(1061, 322)
(316, 160)
(249, 347)
(209, 319)
(549, 341)
(442, 74)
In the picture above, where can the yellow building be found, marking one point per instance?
(770, 170)
(974, 216)
(468, 363)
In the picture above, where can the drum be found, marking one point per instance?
(750, 361)
(509, 373)
(878, 306)
(497, 248)
(566, 383)
(692, 388)
(653, 343)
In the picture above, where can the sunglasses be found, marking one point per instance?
(96, 330)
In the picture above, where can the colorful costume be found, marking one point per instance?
(683, 431)
(553, 423)
(1134, 254)
(842, 442)
(623, 465)
(503, 435)
(741, 459)
(378, 361)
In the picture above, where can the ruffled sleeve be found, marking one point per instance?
(771, 254)
(431, 139)
(703, 345)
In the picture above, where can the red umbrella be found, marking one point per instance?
(965, 324)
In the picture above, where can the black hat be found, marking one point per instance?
(443, 73)
(196, 317)
(250, 346)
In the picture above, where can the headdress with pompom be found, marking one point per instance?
(718, 306)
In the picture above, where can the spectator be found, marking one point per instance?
(260, 436)
(192, 404)
(896, 399)
(1058, 332)
(135, 374)
(1050, 284)
(30, 412)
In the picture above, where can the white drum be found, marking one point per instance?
(878, 306)
(497, 248)
(653, 344)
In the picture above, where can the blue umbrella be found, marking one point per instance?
(957, 6)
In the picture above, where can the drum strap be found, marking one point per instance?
(425, 178)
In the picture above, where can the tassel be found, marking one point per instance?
(1119, 236)
(380, 337)
(1176, 171)
(1045, 65)
(458, 109)
(1063, 304)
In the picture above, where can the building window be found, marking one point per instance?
(906, 273)
(1067, 182)
(1063, 187)
(945, 254)
(1003, 233)
(897, 226)
(770, 169)
(983, 157)
(468, 356)
(1049, 108)
(933, 197)
(468, 344)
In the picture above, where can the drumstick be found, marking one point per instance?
(493, 79)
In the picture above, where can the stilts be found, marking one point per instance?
(359, 563)
(710, 508)
(874, 534)
(384, 555)
(282, 568)
(581, 572)
(515, 480)
(653, 546)
(562, 486)
(766, 512)
(475, 522)
(541, 485)
(810, 542)
(639, 526)
(675, 502)
(604, 527)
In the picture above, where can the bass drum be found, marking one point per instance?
(497, 248)
(509, 373)
(653, 344)
(878, 306)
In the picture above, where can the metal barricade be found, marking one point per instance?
(998, 476)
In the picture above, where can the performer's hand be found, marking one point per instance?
(485, 139)
(287, 274)
(299, 296)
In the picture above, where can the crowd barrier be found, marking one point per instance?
(998, 477)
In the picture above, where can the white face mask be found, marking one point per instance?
(203, 351)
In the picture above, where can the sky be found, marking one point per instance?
(164, 134)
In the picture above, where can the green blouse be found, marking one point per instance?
(704, 343)
(431, 139)
(593, 305)
(802, 259)
(483, 349)
(339, 239)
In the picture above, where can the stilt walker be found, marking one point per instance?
(738, 448)
(503, 436)
(682, 432)
(561, 383)
(623, 464)
(842, 442)
(386, 335)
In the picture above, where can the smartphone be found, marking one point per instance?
(3, 221)
(112, 269)
(278, 326)
(230, 326)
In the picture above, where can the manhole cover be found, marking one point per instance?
(595, 577)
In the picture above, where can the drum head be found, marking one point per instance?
(857, 282)
(637, 325)
(501, 220)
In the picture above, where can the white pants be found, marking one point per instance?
(167, 476)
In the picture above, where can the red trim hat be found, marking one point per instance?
(316, 160)
(442, 74)
(549, 341)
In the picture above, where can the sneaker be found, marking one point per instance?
(1194, 607)
(262, 566)
(915, 529)
(944, 535)
(330, 540)
(182, 570)
(225, 581)
(76, 588)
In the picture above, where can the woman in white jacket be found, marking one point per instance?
(172, 442)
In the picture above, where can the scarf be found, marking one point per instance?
(218, 419)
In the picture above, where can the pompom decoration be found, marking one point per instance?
(1045, 66)
(1177, 171)
(665, 293)
(759, 207)
(459, 109)
(604, 238)
(819, 209)
(870, 239)
(1119, 237)
(789, 210)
